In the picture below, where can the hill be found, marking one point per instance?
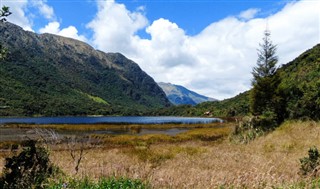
(179, 95)
(299, 92)
(54, 76)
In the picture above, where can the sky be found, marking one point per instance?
(208, 46)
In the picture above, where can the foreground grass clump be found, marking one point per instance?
(309, 164)
(103, 183)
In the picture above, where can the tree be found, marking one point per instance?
(267, 59)
(4, 12)
(265, 80)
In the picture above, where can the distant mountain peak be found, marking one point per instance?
(179, 95)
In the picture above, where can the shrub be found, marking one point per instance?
(309, 164)
(247, 130)
(29, 169)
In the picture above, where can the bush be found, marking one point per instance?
(247, 130)
(309, 164)
(29, 169)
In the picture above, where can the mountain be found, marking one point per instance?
(50, 75)
(179, 95)
(299, 93)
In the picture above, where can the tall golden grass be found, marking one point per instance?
(268, 161)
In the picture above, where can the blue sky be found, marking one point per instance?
(208, 46)
(191, 15)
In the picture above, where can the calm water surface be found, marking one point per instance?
(120, 119)
(17, 134)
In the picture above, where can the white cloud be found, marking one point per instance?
(216, 62)
(18, 17)
(23, 15)
(44, 9)
(23, 11)
(248, 14)
(115, 27)
(71, 31)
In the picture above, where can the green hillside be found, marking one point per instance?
(300, 82)
(300, 93)
(54, 76)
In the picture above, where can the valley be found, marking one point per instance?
(47, 76)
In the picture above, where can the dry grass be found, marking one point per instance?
(203, 134)
(89, 127)
(269, 161)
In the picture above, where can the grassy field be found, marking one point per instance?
(199, 158)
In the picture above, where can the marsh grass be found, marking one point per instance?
(195, 160)
(202, 134)
(91, 127)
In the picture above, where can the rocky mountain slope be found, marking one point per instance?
(52, 75)
(179, 95)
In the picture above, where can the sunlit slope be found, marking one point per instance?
(52, 75)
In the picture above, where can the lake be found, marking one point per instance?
(111, 120)
(126, 125)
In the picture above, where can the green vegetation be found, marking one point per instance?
(264, 79)
(246, 131)
(265, 100)
(310, 163)
(300, 84)
(4, 12)
(47, 75)
(103, 183)
(30, 169)
(297, 95)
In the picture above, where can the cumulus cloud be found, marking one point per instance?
(71, 31)
(44, 8)
(216, 62)
(24, 12)
(248, 14)
(19, 16)
(115, 27)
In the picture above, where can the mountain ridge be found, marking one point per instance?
(179, 95)
(46, 74)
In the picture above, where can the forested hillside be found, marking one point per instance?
(300, 83)
(53, 76)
